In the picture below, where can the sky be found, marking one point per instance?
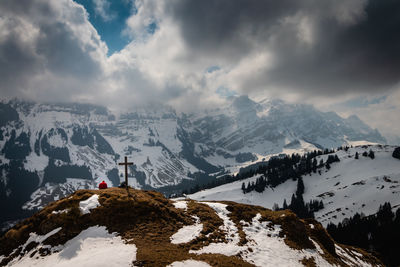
(339, 55)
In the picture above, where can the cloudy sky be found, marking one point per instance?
(341, 55)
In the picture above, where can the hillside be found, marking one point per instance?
(110, 228)
(49, 150)
(349, 186)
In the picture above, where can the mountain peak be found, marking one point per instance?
(154, 231)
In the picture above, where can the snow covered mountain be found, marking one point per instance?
(109, 228)
(348, 187)
(50, 150)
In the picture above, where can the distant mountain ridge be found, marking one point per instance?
(50, 150)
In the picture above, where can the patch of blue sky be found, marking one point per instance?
(110, 30)
(225, 92)
(152, 28)
(212, 69)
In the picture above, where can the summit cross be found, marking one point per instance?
(126, 163)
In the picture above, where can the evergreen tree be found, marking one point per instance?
(328, 166)
(379, 232)
(356, 156)
(371, 154)
(314, 165)
(396, 153)
(285, 206)
(244, 188)
(300, 187)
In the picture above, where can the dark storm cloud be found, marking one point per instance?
(41, 38)
(353, 48)
(224, 25)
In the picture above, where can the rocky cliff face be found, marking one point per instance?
(145, 229)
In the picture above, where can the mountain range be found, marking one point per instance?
(50, 150)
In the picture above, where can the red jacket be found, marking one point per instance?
(103, 185)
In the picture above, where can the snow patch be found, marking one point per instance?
(189, 263)
(33, 237)
(93, 247)
(59, 211)
(232, 236)
(348, 259)
(268, 249)
(187, 233)
(180, 204)
(91, 203)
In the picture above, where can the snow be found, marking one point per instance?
(36, 163)
(41, 196)
(187, 233)
(93, 247)
(189, 263)
(232, 236)
(348, 259)
(350, 186)
(91, 203)
(268, 249)
(264, 247)
(60, 211)
(233, 192)
(181, 204)
(33, 237)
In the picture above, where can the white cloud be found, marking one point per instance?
(102, 9)
(53, 53)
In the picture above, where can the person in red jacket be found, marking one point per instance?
(103, 185)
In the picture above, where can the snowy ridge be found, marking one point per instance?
(349, 186)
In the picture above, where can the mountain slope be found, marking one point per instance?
(48, 151)
(349, 186)
(148, 230)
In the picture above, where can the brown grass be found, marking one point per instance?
(308, 262)
(148, 220)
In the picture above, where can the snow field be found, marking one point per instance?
(93, 247)
(350, 186)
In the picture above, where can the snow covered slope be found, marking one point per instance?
(146, 229)
(50, 150)
(349, 186)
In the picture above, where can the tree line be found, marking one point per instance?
(297, 204)
(378, 233)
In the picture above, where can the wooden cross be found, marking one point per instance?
(126, 163)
